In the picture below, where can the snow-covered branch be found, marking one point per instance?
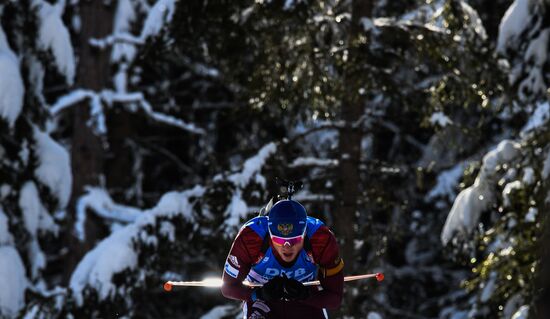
(108, 97)
(70, 99)
(252, 167)
(305, 196)
(313, 161)
(99, 201)
(159, 15)
(11, 82)
(523, 38)
(238, 208)
(54, 169)
(472, 201)
(54, 36)
(117, 252)
(322, 127)
(447, 182)
(116, 38)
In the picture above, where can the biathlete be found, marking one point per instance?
(281, 251)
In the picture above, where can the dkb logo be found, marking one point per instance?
(274, 272)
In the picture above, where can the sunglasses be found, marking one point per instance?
(282, 241)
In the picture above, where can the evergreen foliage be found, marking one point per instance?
(206, 102)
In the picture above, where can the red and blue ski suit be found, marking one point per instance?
(246, 260)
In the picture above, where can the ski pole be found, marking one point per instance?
(217, 282)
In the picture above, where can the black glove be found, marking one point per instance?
(259, 310)
(272, 290)
(295, 290)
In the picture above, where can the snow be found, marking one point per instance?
(537, 53)
(528, 175)
(253, 165)
(138, 97)
(489, 287)
(439, 118)
(288, 4)
(54, 167)
(423, 13)
(460, 315)
(111, 256)
(525, 39)
(97, 117)
(466, 210)
(117, 252)
(121, 79)
(374, 315)
(447, 182)
(236, 210)
(522, 313)
(54, 36)
(472, 201)
(512, 222)
(305, 196)
(34, 313)
(539, 118)
(125, 15)
(312, 161)
(508, 189)
(36, 257)
(498, 244)
(99, 201)
(474, 19)
(367, 24)
(537, 49)
(72, 98)
(512, 23)
(204, 70)
(161, 13)
(35, 219)
(168, 230)
(11, 83)
(218, 312)
(13, 282)
(512, 305)
(24, 152)
(5, 236)
(531, 215)
(170, 119)
(178, 203)
(76, 22)
(36, 74)
(35, 216)
(5, 189)
(109, 97)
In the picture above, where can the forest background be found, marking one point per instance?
(137, 136)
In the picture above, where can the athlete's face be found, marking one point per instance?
(287, 252)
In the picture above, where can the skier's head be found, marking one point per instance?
(287, 219)
(287, 222)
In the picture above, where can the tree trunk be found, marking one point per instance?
(119, 161)
(543, 283)
(350, 143)
(86, 149)
(350, 150)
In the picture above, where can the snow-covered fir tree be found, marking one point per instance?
(131, 150)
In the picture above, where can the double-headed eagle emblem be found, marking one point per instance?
(285, 229)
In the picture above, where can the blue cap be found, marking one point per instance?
(287, 218)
